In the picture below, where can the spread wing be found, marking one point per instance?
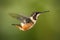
(19, 17)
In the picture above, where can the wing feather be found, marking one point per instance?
(19, 17)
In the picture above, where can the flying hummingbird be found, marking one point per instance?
(26, 22)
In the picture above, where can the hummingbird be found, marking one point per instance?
(27, 23)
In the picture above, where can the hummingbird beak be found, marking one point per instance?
(44, 11)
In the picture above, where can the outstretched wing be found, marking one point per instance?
(19, 17)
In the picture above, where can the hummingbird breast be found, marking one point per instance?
(27, 26)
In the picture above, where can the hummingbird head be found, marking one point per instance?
(35, 15)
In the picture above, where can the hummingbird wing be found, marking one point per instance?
(19, 17)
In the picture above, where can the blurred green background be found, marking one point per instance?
(46, 28)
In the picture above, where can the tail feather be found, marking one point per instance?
(16, 25)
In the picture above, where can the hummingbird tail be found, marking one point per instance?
(16, 24)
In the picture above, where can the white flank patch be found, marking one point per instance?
(22, 24)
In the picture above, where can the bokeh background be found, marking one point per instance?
(46, 28)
